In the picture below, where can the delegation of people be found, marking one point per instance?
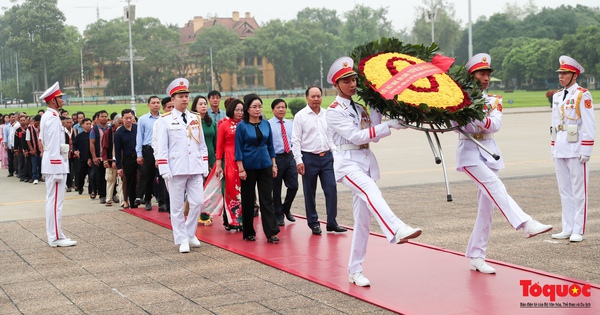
(169, 153)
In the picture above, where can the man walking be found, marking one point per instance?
(287, 172)
(182, 159)
(312, 152)
(145, 153)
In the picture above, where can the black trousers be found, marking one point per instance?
(163, 194)
(287, 174)
(264, 179)
(82, 171)
(11, 161)
(145, 187)
(100, 179)
(21, 165)
(129, 165)
(71, 174)
(317, 166)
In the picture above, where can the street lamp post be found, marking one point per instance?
(470, 32)
(129, 17)
(82, 78)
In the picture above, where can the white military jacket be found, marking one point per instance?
(346, 126)
(181, 149)
(52, 135)
(576, 109)
(467, 152)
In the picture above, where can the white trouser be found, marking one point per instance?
(111, 180)
(367, 201)
(184, 229)
(572, 177)
(491, 193)
(55, 195)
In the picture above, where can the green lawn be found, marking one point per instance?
(517, 98)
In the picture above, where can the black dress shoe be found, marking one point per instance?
(290, 217)
(250, 238)
(337, 228)
(316, 230)
(10, 175)
(162, 208)
(148, 206)
(273, 239)
(280, 222)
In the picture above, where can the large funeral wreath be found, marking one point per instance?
(431, 99)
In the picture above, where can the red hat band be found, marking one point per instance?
(479, 66)
(568, 68)
(52, 96)
(341, 73)
(179, 89)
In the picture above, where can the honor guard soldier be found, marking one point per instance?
(355, 166)
(482, 168)
(573, 129)
(182, 160)
(55, 166)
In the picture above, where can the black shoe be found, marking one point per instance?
(148, 205)
(31, 181)
(316, 230)
(290, 217)
(250, 238)
(10, 175)
(280, 222)
(80, 192)
(102, 200)
(137, 201)
(256, 211)
(162, 208)
(336, 228)
(22, 179)
(273, 239)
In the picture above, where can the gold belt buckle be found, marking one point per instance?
(322, 154)
(363, 146)
(478, 136)
(560, 127)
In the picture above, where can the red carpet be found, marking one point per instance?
(411, 278)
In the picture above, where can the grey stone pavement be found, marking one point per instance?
(125, 265)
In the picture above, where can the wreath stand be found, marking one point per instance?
(438, 154)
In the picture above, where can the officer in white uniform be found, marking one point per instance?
(482, 168)
(573, 129)
(55, 166)
(182, 160)
(355, 166)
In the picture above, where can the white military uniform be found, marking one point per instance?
(55, 168)
(482, 168)
(576, 109)
(356, 167)
(181, 151)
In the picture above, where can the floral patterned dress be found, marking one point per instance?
(232, 194)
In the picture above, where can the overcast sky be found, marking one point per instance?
(402, 13)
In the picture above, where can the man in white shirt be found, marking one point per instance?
(312, 151)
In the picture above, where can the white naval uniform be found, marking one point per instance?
(358, 170)
(55, 169)
(181, 150)
(482, 168)
(572, 175)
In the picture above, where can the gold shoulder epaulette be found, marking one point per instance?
(165, 114)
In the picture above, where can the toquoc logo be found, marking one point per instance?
(553, 290)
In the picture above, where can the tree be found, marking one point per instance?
(36, 32)
(364, 24)
(584, 46)
(328, 19)
(446, 28)
(226, 50)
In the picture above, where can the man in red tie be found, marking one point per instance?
(287, 171)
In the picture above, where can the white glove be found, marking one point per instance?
(584, 158)
(167, 176)
(59, 177)
(396, 124)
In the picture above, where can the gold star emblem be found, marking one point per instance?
(574, 290)
(345, 64)
(484, 59)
